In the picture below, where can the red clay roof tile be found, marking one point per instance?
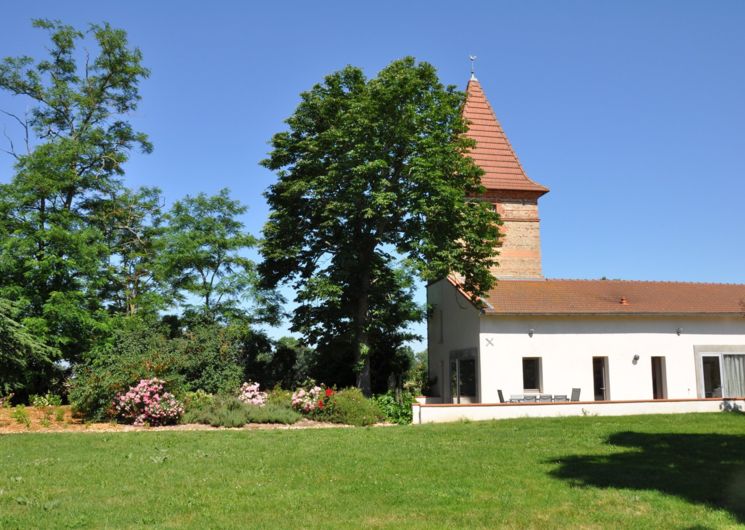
(493, 152)
(563, 297)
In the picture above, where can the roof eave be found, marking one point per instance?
(496, 313)
(458, 287)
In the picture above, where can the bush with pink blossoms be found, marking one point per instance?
(306, 401)
(250, 394)
(314, 400)
(147, 403)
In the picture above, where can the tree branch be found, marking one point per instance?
(24, 125)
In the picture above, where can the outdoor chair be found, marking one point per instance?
(545, 398)
(529, 399)
(560, 397)
(575, 394)
(516, 398)
(501, 396)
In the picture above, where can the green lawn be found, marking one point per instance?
(588, 472)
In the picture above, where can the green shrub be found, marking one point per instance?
(198, 399)
(207, 358)
(59, 415)
(350, 407)
(280, 398)
(271, 414)
(227, 411)
(137, 349)
(20, 414)
(210, 358)
(5, 400)
(395, 410)
(47, 400)
(27, 363)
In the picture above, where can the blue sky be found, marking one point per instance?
(631, 112)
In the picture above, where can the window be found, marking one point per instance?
(722, 375)
(532, 374)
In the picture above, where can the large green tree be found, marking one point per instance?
(371, 171)
(324, 321)
(54, 255)
(133, 225)
(204, 261)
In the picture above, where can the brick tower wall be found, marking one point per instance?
(520, 251)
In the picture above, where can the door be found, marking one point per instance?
(659, 390)
(463, 384)
(600, 377)
(712, 376)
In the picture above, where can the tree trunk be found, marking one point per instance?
(361, 339)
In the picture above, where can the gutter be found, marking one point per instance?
(496, 313)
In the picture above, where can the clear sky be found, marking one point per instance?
(632, 113)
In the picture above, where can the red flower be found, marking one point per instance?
(320, 403)
(329, 392)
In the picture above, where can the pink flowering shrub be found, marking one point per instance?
(313, 400)
(148, 403)
(306, 401)
(250, 394)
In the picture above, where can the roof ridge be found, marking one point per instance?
(618, 280)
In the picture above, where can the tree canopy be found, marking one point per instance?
(202, 258)
(54, 256)
(372, 173)
(89, 265)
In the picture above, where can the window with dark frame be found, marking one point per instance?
(532, 374)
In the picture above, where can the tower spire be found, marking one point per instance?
(514, 195)
(472, 58)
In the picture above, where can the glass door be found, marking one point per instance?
(658, 378)
(463, 380)
(712, 376)
(722, 375)
(600, 377)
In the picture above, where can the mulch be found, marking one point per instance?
(45, 421)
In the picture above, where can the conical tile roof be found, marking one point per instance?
(493, 152)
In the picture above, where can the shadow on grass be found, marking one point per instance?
(701, 468)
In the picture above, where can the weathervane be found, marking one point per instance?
(472, 58)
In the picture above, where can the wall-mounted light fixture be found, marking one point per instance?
(530, 332)
(678, 331)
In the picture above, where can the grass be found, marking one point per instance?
(678, 471)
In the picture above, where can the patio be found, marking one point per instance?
(446, 412)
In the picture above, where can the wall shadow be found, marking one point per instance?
(701, 468)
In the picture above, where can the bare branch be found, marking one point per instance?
(24, 124)
(19, 120)
(12, 151)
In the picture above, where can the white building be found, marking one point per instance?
(611, 340)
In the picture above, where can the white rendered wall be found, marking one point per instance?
(453, 325)
(566, 346)
(450, 413)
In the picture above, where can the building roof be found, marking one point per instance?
(614, 297)
(493, 152)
